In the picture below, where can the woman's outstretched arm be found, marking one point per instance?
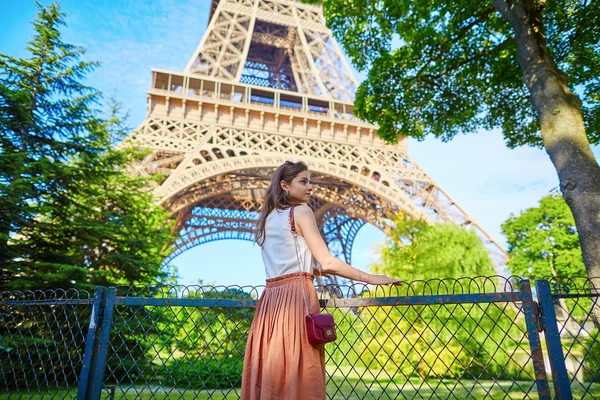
(306, 225)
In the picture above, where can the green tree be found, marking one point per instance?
(420, 251)
(44, 111)
(543, 244)
(443, 67)
(543, 241)
(71, 215)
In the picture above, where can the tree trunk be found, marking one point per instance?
(562, 128)
(561, 123)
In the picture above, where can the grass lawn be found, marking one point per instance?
(340, 388)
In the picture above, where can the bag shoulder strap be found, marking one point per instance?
(293, 229)
(300, 265)
(292, 222)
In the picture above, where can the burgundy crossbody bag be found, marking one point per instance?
(320, 327)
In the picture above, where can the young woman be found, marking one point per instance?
(280, 363)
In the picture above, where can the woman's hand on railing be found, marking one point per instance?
(373, 279)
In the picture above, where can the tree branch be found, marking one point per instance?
(477, 56)
(461, 34)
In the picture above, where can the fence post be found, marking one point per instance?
(560, 378)
(531, 320)
(90, 339)
(92, 373)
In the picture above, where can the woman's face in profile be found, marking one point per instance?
(300, 188)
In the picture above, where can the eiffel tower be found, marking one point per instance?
(268, 83)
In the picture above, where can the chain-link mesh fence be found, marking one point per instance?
(454, 338)
(577, 309)
(446, 339)
(42, 341)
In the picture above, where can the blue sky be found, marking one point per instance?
(129, 37)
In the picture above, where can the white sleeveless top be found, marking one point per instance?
(278, 249)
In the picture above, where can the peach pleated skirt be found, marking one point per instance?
(280, 363)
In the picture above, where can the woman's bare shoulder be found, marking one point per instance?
(304, 209)
(304, 213)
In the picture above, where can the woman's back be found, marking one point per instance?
(279, 361)
(279, 248)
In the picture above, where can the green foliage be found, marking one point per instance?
(42, 344)
(136, 332)
(207, 344)
(447, 67)
(205, 373)
(417, 250)
(72, 216)
(217, 331)
(202, 347)
(543, 241)
(591, 362)
(470, 341)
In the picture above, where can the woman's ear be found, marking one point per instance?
(284, 185)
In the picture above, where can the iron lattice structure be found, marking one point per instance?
(269, 83)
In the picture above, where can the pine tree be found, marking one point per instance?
(71, 215)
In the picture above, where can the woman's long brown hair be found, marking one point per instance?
(276, 197)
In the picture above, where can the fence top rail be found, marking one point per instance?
(506, 297)
(478, 285)
(72, 295)
(573, 286)
(432, 287)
